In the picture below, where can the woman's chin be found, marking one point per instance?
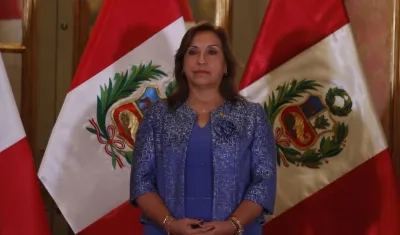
(201, 82)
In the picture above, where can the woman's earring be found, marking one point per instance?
(183, 73)
(226, 72)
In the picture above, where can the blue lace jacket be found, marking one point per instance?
(244, 155)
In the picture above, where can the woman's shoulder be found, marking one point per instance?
(247, 107)
(159, 106)
(157, 109)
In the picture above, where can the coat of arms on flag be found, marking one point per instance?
(307, 126)
(119, 113)
(127, 65)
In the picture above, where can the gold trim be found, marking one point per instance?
(394, 130)
(223, 15)
(12, 47)
(114, 122)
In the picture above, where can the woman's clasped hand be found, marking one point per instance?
(196, 226)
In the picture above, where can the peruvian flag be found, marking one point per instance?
(335, 174)
(127, 65)
(22, 209)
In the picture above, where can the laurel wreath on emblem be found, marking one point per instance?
(330, 100)
(329, 146)
(125, 83)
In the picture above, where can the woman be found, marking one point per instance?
(205, 159)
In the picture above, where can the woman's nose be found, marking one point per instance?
(201, 58)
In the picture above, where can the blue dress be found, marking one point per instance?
(199, 181)
(199, 174)
(199, 178)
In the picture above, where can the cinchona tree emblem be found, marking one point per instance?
(306, 125)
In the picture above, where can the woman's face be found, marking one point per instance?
(204, 62)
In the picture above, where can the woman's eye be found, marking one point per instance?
(212, 52)
(192, 52)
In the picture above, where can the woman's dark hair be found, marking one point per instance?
(227, 87)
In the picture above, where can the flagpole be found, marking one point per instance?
(29, 73)
(223, 16)
(394, 113)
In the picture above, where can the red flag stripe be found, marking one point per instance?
(22, 209)
(10, 9)
(281, 38)
(127, 24)
(122, 220)
(366, 200)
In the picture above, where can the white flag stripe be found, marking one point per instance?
(11, 128)
(9, 32)
(73, 188)
(333, 62)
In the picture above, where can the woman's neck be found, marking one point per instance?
(205, 99)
